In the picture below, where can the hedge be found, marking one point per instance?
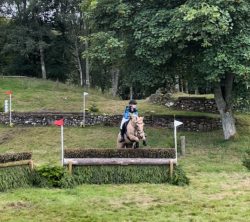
(11, 157)
(128, 174)
(15, 177)
(120, 153)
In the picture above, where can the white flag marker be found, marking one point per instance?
(176, 124)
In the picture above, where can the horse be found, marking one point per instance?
(133, 134)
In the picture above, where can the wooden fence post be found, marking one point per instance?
(70, 167)
(171, 169)
(31, 164)
(183, 145)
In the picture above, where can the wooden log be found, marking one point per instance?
(183, 145)
(118, 161)
(16, 163)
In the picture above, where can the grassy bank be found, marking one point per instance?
(37, 95)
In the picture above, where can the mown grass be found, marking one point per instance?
(219, 188)
(210, 197)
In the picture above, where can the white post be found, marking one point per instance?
(62, 150)
(10, 109)
(176, 123)
(83, 120)
(183, 145)
(6, 106)
(83, 111)
(175, 138)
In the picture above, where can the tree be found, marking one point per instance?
(109, 54)
(214, 34)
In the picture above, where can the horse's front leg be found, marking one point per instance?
(133, 137)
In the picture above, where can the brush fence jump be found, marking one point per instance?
(18, 163)
(16, 159)
(123, 157)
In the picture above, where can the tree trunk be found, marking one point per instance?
(87, 65)
(177, 84)
(186, 86)
(79, 61)
(115, 79)
(131, 92)
(223, 101)
(44, 75)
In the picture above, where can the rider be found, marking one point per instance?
(129, 110)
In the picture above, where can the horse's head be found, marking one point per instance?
(139, 126)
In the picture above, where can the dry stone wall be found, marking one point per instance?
(75, 119)
(197, 104)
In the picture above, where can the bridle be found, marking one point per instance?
(139, 131)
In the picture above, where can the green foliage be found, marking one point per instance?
(15, 177)
(93, 108)
(52, 174)
(120, 153)
(241, 100)
(104, 48)
(246, 160)
(11, 157)
(128, 174)
(37, 25)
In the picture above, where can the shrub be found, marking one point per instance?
(48, 175)
(246, 160)
(93, 108)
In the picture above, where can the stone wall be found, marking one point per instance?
(75, 119)
(197, 104)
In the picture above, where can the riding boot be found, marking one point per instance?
(122, 136)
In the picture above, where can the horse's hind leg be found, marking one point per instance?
(135, 145)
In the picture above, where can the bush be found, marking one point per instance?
(246, 160)
(120, 153)
(93, 108)
(52, 176)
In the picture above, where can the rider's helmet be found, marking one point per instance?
(132, 102)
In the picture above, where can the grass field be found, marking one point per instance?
(219, 189)
(31, 94)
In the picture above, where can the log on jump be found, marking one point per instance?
(119, 161)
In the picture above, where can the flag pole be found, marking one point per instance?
(10, 110)
(62, 149)
(176, 124)
(175, 141)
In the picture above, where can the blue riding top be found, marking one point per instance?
(128, 111)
